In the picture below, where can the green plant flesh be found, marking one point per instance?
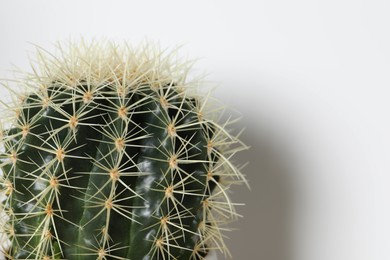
(120, 166)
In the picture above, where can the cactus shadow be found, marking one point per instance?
(265, 232)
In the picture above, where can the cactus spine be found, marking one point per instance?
(111, 154)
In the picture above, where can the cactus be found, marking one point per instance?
(109, 152)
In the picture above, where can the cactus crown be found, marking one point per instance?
(110, 153)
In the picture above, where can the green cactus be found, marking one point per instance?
(110, 153)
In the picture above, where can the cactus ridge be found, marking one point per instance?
(110, 153)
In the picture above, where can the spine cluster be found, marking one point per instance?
(110, 153)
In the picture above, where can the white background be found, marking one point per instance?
(311, 79)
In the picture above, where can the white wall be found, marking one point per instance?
(312, 80)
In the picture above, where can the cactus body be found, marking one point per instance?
(109, 156)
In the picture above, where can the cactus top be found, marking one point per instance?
(110, 153)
